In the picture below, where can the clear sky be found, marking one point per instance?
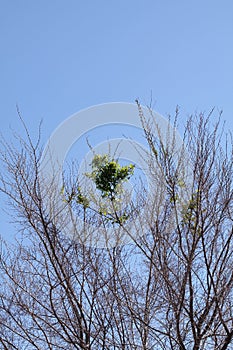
(60, 56)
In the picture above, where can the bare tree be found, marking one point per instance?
(170, 288)
(193, 258)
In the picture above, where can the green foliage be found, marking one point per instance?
(75, 196)
(109, 174)
(181, 183)
(189, 213)
(81, 199)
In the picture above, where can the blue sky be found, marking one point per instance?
(58, 57)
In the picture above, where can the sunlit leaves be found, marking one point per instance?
(108, 175)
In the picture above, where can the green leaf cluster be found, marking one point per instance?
(189, 213)
(75, 196)
(81, 199)
(108, 174)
